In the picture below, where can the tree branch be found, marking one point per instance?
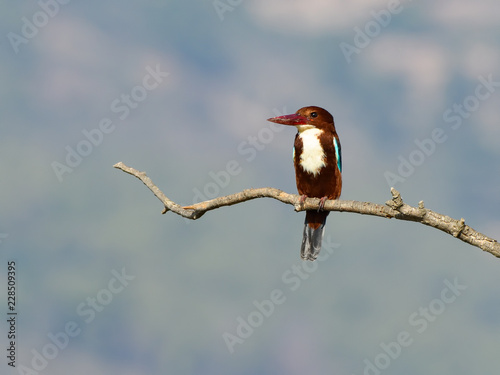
(393, 209)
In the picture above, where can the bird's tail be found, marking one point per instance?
(314, 227)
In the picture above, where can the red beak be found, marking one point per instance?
(289, 120)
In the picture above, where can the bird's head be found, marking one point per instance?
(307, 118)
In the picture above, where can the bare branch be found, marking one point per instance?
(394, 208)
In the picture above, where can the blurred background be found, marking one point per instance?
(182, 90)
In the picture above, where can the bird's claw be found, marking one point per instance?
(302, 199)
(322, 202)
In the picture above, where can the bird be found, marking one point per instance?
(317, 159)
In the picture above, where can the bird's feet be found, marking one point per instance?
(322, 201)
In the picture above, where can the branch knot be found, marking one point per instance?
(459, 227)
(396, 202)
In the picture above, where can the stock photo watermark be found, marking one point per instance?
(12, 313)
(223, 6)
(248, 149)
(419, 321)
(292, 279)
(453, 116)
(372, 29)
(30, 26)
(122, 108)
(86, 311)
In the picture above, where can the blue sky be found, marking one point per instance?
(182, 90)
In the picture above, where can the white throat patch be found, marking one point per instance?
(312, 158)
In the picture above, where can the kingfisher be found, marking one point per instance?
(317, 159)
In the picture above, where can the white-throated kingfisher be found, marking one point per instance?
(318, 169)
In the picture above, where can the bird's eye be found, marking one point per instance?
(314, 114)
